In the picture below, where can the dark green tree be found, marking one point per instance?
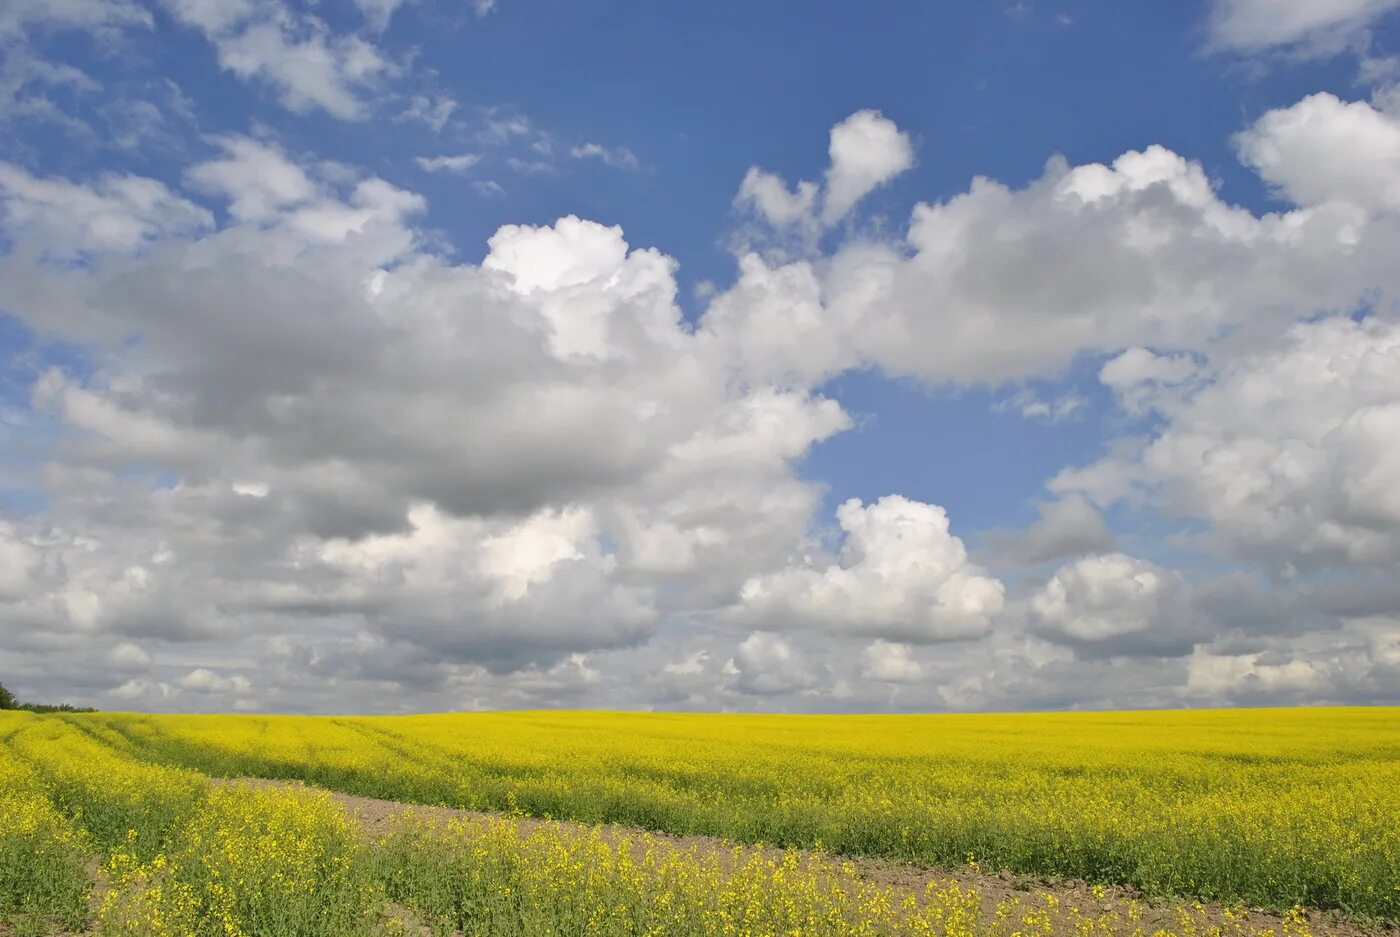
(7, 699)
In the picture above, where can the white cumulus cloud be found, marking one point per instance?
(1117, 603)
(900, 575)
(1323, 149)
(766, 664)
(867, 150)
(119, 212)
(1288, 453)
(890, 663)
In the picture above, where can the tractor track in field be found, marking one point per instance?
(375, 814)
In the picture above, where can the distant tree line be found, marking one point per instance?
(8, 701)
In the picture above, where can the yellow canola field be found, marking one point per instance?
(1274, 807)
(1277, 807)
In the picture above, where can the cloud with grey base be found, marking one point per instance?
(529, 480)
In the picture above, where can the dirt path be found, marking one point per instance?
(374, 814)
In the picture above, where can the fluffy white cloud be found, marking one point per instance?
(890, 663)
(1102, 597)
(498, 592)
(572, 253)
(1114, 603)
(1323, 149)
(1138, 366)
(769, 195)
(900, 575)
(1288, 453)
(766, 664)
(295, 54)
(308, 443)
(1312, 25)
(1140, 378)
(688, 666)
(203, 680)
(1358, 661)
(774, 326)
(62, 218)
(867, 150)
(1004, 284)
(458, 469)
(128, 657)
(999, 283)
(146, 692)
(1228, 677)
(257, 178)
(724, 502)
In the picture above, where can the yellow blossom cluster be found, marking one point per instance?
(90, 775)
(493, 878)
(248, 863)
(43, 855)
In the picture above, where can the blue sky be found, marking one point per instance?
(307, 396)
